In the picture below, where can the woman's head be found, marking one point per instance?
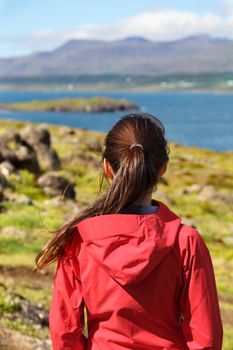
(132, 170)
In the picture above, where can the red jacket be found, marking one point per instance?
(146, 280)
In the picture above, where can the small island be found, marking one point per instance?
(89, 105)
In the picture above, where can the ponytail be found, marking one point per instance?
(136, 150)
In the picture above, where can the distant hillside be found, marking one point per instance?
(131, 56)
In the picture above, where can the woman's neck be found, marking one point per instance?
(146, 200)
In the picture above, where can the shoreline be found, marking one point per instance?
(112, 89)
(6, 122)
(96, 104)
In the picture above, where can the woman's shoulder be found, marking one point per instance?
(72, 247)
(190, 242)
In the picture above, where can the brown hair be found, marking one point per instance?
(136, 171)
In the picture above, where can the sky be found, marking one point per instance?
(29, 26)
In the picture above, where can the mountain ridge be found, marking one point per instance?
(133, 55)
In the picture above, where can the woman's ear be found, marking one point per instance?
(108, 170)
(163, 170)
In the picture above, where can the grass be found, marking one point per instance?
(17, 246)
(21, 216)
(8, 303)
(25, 328)
(228, 338)
(25, 183)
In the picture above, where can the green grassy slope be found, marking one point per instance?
(198, 187)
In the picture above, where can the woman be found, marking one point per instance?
(145, 278)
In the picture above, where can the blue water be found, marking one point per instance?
(193, 119)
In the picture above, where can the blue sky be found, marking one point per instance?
(37, 25)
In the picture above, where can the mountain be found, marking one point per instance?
(131, 56)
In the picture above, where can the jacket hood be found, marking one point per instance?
(129, 246)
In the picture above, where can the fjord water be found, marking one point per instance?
(194, 119)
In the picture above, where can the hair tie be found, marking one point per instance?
(136, 145)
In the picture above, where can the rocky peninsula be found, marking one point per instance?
(91, 105)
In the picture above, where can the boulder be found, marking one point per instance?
(34, 313)
(3, 184)
(39, 138)
(7, 168)
(26, 159)
(48, 157)
(22, 308)
(3, 181)
(54, 184)
(36, 135)
(22, 157)
(10, 135)
(1, 195)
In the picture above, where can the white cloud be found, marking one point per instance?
(162, 25)
(155, 25)
(224, 6)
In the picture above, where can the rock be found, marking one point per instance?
(27, 159)
(7, 154)
(34, 313)
(21, 308)
(84, 158)
(195, 188)
(3, 181)
(1, 195)
(36, 135)
(207, 193)
(54, 184)
(22, 157)
(48, 157)
(39, 138)
(3, 184)
(10, 135)
(210, 193)
(7, 168)
(13, 231)
(31, 149)
(19, 198)
(71, 131)
(94, 145)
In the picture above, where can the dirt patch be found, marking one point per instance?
(22, 275)
(227, 313)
